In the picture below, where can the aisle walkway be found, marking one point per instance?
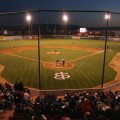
(4, 115)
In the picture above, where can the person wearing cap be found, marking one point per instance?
(63, 62)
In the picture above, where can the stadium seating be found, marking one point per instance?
(72, 106)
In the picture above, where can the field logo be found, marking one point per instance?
(61, 76)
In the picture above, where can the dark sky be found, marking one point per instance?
(17, 5)
(82, 19)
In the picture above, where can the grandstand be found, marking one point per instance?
(73, 106)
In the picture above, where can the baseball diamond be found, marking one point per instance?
(83, 62)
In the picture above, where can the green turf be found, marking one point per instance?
(86, 73)
(66, 54)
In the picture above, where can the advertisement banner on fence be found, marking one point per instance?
(8, 38)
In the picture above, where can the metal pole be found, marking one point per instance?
(39, 55)
(62, 29)
(65, 27)
(104, 59)
(29, 28)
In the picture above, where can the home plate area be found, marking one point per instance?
(55, 65)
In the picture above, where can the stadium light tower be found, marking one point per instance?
(29, 18)
(107, 17)
(65, 19)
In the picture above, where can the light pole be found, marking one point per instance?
(65, 19)
(107, 17)
(29, 18)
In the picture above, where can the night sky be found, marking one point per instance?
(82, 19)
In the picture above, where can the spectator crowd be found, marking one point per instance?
(72, 106)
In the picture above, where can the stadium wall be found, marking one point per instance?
(17, 37)
(58, 37)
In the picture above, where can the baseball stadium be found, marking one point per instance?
(89, 60)
(62, 58)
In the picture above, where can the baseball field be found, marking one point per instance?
(82, 67)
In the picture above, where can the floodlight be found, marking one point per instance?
(107, 16)
(65, 17)
(28, 18)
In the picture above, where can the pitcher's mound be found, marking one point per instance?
(53, 65)
(53, 53)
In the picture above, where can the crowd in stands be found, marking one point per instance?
(6, 97)
(73, 106)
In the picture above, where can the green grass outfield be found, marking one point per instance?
(86, 72)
